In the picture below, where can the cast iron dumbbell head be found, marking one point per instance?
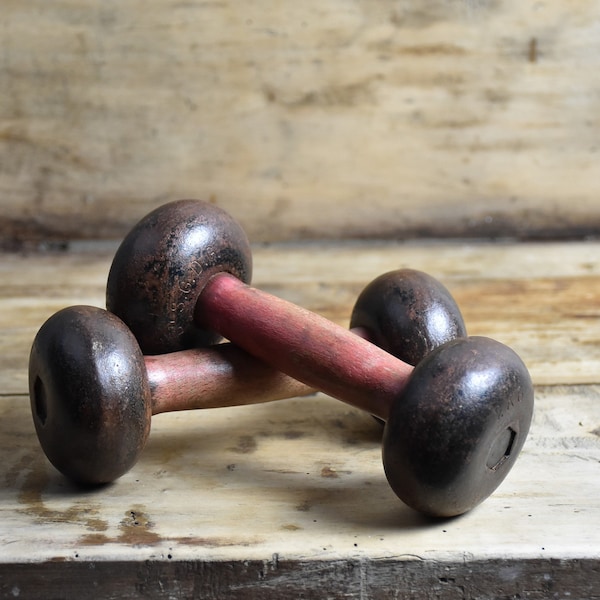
(452, 437)
(408, 313)
(89, 393)
(458, 426)
(161, 267)
(339, 363)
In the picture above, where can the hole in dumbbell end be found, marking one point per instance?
(39, 393)
(501, 448)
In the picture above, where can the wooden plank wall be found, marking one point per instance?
(316, 119)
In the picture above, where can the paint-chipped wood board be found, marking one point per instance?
(290, 498)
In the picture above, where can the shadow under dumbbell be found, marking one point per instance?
(311, 458)
(243, 476)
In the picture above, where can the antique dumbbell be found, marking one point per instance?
(91, 397)
(93, 392)
(166, 282)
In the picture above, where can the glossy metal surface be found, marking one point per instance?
(90, 398)
(408, 313)
(162, 266)
(458, 427)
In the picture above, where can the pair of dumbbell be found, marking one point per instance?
(454, 425)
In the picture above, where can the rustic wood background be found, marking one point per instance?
(315, 119)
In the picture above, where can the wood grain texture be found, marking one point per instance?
(328, 119)
(302, 480)
(345, 578)
(540, 299)
(289, 499)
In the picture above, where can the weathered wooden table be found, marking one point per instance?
(289, 499)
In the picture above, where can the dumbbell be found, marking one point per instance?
(455, 428)
(93, 392)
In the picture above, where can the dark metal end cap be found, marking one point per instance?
(89, 392)
(162, 265)
(408, 313)
(458, 427)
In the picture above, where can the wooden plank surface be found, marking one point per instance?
(319, 119)
(290, 498)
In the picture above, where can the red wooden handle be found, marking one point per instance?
(219, 376)
(216, 377)
(302, 344)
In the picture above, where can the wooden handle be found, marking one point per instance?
(220, 376)
(223, 375)
(302, 344)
